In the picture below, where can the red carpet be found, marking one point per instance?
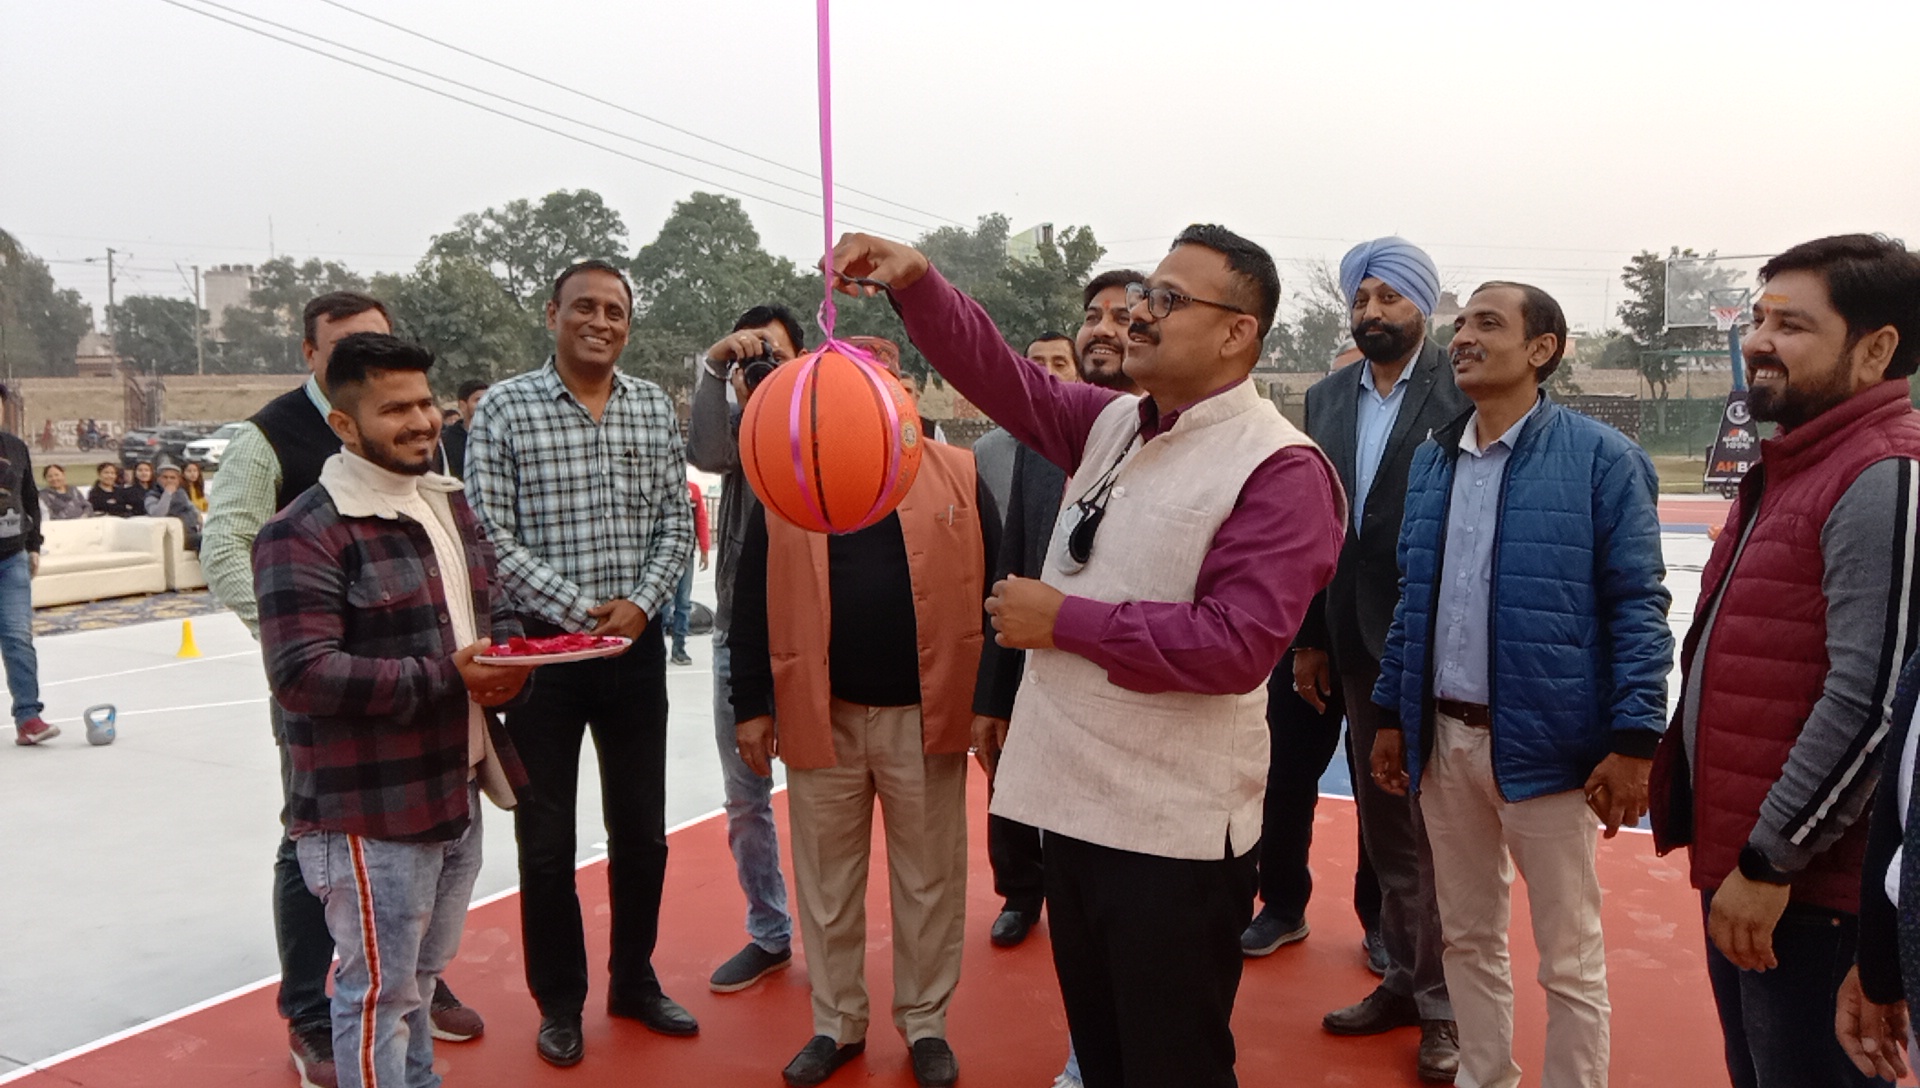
(1007, 1026)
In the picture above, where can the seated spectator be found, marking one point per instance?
(193, 480)
(171, 501)
(143, 484)
(58, 502)
(109, 498)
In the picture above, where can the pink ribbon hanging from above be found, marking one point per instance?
(827, 313)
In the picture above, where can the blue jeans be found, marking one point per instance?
(411, 900)
(682, 609)
(16, 637)
(1779, 1023)
(750, 831)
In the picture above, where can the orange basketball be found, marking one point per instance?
(829, 442)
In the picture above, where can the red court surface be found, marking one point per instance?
(1695, 512)
(1007, 1026)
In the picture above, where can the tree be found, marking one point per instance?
(456, 308)
(1319, 325)
(156, 333)
(691, 282)
(264, 336)
(526, 245)
(1644, 313)
(40, 324)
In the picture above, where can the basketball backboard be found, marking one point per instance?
(1697, 285)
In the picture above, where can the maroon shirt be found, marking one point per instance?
(1272, 554)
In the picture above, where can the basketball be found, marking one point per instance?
(830, 442)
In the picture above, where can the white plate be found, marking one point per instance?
(519, 660)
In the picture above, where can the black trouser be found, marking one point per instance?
(1148, 953)
(623, 700)
(1304, 740)
(299, 919)
(1014, 850)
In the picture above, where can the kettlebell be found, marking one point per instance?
(100, 724)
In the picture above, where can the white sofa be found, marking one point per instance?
(87, 559)
(183, 564)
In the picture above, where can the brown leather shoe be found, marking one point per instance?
(1376, 1013)
(1439, 1051)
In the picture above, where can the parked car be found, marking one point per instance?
(207, 451)
(151, 444)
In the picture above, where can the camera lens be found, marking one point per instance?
(756, 372)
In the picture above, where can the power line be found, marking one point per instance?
(811, 212)
(403, 66)
(625, 109)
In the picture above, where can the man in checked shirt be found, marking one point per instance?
(576, 471)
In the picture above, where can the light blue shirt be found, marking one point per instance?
(1466, 568)
(1373, 422)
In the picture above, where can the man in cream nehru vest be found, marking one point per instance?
(1197, 526)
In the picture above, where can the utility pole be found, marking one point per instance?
(199, 350)
(110, 252)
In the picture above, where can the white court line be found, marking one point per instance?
(177, 709)
(45, 1064)
(149, 668)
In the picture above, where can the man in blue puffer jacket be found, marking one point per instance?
(1528, 661)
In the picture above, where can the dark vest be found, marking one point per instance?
(300, 438)
(1766, 664)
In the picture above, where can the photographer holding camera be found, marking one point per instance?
(762, 338)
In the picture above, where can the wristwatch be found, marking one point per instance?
(1755, 867)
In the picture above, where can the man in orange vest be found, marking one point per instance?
(879, 703)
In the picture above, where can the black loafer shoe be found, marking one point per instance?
(1376, 1013)
(1011, 928)
(659, 1013)
(819, 1059)
(934, 1065)
(1439, 1051)
(559, 1041)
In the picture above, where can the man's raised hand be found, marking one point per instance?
(863, 256)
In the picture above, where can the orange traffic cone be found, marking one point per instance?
(188, 648)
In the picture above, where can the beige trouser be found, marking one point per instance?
(1477, 839)
(923, 801)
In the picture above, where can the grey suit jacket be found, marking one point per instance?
(1350, 618)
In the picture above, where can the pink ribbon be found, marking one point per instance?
(827, 312)
(870, 368)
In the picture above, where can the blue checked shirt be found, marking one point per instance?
(1464, 604)
(581, 513)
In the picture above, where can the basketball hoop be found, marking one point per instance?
(1728, 306)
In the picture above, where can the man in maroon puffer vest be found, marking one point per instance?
(1807, 611)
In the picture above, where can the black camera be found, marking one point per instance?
(754, 371)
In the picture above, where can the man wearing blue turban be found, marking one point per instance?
(1369, 417)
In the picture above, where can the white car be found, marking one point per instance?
(207, 451)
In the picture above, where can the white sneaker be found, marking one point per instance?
(1066, 1080)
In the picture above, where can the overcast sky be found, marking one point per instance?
(1544, 141)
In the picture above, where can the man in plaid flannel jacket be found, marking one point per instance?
(376, 590)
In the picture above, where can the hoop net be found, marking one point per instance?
(1726, 317)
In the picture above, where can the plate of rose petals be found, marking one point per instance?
(552, 650)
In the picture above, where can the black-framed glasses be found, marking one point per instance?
(1088, 511)
(1162, 301)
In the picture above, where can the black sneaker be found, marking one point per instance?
(311, 1047)
(1375, 946)
(748, 966)
(1269, 931)
(680, 656)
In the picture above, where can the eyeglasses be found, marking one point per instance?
(1088, 511)
(1162, 301)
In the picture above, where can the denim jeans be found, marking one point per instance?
(396, 910)
(16, 637)
(750, 831)
(1779, 1023)
(682, 609)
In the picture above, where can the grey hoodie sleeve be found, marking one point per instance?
(713, 441)
(1868, 545)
